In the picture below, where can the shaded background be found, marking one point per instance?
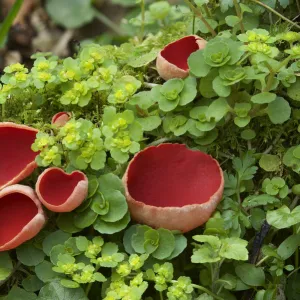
(59, 25)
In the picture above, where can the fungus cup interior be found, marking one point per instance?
(16, 211)
(15, 151)
(177, 53)
(171, 175)
(56, 186)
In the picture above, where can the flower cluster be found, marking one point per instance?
(78, 141)
(77, 80)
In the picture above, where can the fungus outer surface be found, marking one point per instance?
(171, 175)
(61, 118)
(17, 158)
(55, 186)
(178, 52)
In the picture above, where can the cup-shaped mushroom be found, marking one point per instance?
(21, 216)
(17, 158)
(172, 61)
(61, 192)
(61, 118)
(173, 187)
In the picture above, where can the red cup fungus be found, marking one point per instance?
(61, 118)
(173, 187)
(61, 192)
(21, 216)
(17, 158)
(172, 61)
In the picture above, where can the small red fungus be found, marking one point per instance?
(173, 187)
(61, 118)
(61, 192)
(17, 158)
(172, 61)
(21, 216)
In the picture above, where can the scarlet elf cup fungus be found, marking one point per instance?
(172, 61)
(18, 160)
(61, 118)
(21, 216)
(61, 192)
(173, 187)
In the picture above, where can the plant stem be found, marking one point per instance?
(237, 192)
(239, 14)
(15, 269)
(294, 271)
(269, 82)
(276, 13)
(163, 140)
(294, 203)
(297, 258)
(5, 26)
(243, 58)
(106, 21)
(161, 297)
(194, 21)
(142, 32)
(198, 13)
(273, 73)
(269, 149)
(88, 288)
(207, 11)
(298, 5)
(3, 112)
(201, 288)
(149, 85)
(262, 260)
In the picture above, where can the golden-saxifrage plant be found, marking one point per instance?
(240, 103)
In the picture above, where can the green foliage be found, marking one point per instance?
(6, 265)
(240, 104)
(161, 244)
(74, 16)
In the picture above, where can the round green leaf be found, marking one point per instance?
(263, 98)
(166, 244)
(44, 271)
(197, 64)
(149, 123)
(189, 91)
(55, 252)
(93, 186)
(287, 248)
(248, 134)
(138, 239)
(85, 219)
(32, 283)
(127, 238)
(65, 222)
(117, 206)
(250, 274)
(269, 163)
(111, 227)
(279, 111)
(6, 265)
(29, 255)
(55, 290)
(17, 293)
(180, 245)
(294, 90)
(232, 20)
(70, 16)
(70, 284)
(110, 182)
(54, 238)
